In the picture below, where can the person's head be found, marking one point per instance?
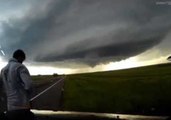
(19, 55)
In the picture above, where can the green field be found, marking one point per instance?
(144, 90)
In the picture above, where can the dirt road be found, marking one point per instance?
(49, 96)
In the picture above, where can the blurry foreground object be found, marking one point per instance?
(169, 58)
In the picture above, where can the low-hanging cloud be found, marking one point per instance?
(86, 31)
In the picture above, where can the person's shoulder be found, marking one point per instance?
(21, 66)
(4, 69)
(13, 62)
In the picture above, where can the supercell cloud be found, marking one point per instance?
(85, 31)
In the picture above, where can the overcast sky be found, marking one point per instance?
(80, 33)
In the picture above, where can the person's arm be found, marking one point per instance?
(26, 78)
(26, 81)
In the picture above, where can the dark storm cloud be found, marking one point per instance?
(30, 31)
(104, 54)
(87, 31)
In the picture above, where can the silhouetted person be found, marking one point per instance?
(18, 87)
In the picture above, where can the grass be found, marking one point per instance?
(144, 90)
